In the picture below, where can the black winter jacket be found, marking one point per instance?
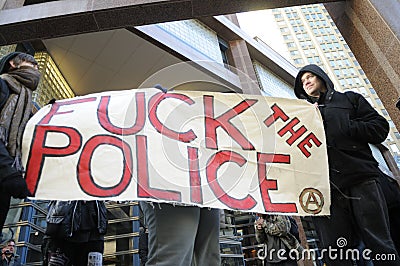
(350, 123)
(64, 218)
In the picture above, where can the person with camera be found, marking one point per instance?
(8, 256)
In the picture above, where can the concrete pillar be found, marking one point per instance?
(9, 4)
(242, 61)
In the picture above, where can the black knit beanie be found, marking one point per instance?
(5, 59)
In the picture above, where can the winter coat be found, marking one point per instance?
(350, 123)
(275, 234)
(13, 262)
(64, 218)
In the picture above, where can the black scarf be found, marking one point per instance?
(17, 110)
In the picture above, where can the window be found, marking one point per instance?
(394, 148)
(372, 90)
(363, 91)
(298, 61)
(397, 135)
(223, 47)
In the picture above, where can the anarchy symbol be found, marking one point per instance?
(311, 200)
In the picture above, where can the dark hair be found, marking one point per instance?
(22, 57)
(5, 244)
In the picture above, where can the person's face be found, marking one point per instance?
(11, 247)
(312, 85)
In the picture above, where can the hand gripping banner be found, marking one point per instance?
(222, 150)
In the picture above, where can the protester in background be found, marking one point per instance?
(19, 78)
(74, 229)
(8, 256)
(358, 207)
(274, 232)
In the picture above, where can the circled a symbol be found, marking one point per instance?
(311, 200)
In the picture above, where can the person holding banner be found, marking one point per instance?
(181, 235)
(19, 78)
(359, 211)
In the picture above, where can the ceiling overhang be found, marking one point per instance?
(62, 18)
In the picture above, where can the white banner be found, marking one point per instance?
(228, 151)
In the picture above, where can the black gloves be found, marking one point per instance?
(15, 185)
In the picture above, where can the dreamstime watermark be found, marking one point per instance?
(332, 253)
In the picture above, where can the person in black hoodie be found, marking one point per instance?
(19, 78)
(358, 208)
